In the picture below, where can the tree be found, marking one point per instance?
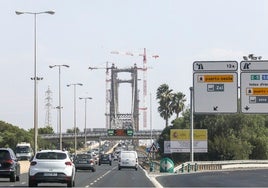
(46, 130)
(177, 103)
(164, 95)
(72, 130)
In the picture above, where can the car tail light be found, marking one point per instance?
(68, 163)
(33, 163)
(9, 161)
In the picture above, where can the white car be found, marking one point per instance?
(128, 159)
(51, 166)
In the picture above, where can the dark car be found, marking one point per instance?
(9, 165)
(84, 162)
(105, 159)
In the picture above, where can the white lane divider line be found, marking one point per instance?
(99, 178)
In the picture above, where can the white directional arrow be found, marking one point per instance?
(166, 165)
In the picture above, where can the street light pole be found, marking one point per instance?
(75, 136)
(85, 131)
(59, 107)
(35, 76)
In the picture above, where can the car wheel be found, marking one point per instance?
(12, 177)
(18, 178)
(70, 183)
(32, 184)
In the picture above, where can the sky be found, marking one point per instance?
(83, 33)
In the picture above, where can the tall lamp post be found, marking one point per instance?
(75, 136)
(35, 75)
(59, 107)
(85, 99)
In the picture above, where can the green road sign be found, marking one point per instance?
(166, 165)
(120, 132)
(255, 77)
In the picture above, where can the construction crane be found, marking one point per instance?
(48, 106)
(144, 69)
(107, 68)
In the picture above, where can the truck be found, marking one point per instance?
(24, 151)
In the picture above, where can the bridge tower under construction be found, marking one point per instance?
(124, 120)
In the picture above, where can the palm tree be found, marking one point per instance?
(177, 103)
(164, 95)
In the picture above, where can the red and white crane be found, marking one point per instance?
(144, 69)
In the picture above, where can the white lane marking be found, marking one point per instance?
(99, 178)
(152, 179)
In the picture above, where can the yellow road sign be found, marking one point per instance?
(257, 91)
(185, 134)
(216, 78)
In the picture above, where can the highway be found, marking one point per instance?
(110, 176)
(105, 176)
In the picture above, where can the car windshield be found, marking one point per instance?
(4, 155)
(51, 155)
(83, 156)
(22, 149)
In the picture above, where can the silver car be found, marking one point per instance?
(51, 166)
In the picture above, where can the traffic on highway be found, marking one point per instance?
(104, 168)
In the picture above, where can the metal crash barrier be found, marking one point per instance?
(219, 165)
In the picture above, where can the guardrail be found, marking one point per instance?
(219, 165)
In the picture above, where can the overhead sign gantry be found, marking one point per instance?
(254, 86)
(215, 86)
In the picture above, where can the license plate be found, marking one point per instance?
(82, 161)
(125, 162)
(50, 174)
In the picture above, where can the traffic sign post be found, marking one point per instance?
(254, 86)
(153, 148)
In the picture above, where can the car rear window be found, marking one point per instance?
(128, 155)
(104, 156)
(4, 155)
(51, 155)
(83, 157)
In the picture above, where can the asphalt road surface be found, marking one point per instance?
(105, 176)
(233, 178)
(110, 176)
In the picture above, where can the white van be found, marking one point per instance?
(24, 151)
(128, 159)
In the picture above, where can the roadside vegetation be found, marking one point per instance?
(10, 135)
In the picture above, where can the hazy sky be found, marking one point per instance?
(82, 33)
